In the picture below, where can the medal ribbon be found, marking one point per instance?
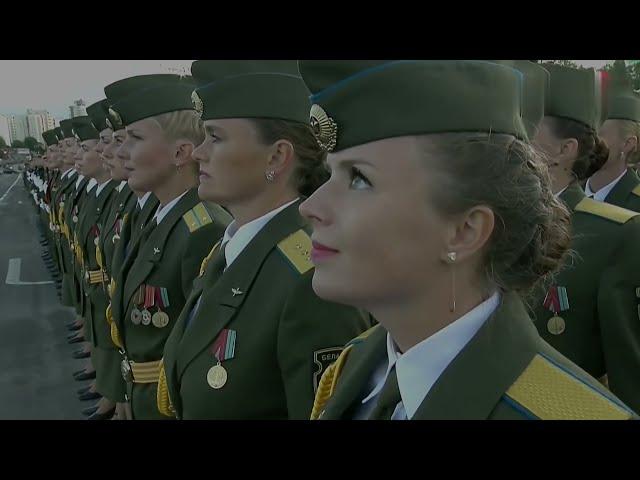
(161, 297)
(551, 301)
(557, 299)
(149, 297)
(225, 345)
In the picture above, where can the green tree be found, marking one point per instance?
(31, 143)
(565, 63)
(624, 74)
(3, 143)
(17, 144)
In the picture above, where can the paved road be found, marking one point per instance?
(35, 359)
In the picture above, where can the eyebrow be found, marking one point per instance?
(350, 162)
(213, 127)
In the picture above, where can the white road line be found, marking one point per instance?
(9, 190)
(13, 274)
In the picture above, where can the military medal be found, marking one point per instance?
(556, 325)
(556, 301)
(136, 316)
(217, 377)
(149, 301)
(161, 319)
(146, 317)
(116, 235)
(222, 349)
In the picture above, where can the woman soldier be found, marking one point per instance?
(157, 275)
(436, 216)
(590, 312)
(253, 338)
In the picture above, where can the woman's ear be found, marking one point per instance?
(182, 153)
(281, 156)
(470, 232)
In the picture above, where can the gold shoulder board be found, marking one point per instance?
(297, 249)
(552, 393)
(606, 210)
(197, 217)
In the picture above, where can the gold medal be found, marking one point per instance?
(217, 377)
(136, 316)
(160, 319)
(146, 317)
(556, 325)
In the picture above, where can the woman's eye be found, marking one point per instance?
(358, 180)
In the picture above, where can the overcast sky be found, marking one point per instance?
(53, 85)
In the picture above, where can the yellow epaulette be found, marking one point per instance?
(551, 393)
(297, 249)
(197, 217)
(636, 191)
(205, 261)
(605, 210)
(162, 396)
(327, 384)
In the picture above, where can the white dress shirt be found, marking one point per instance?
(143, 199)
(164, 211)
(101, 187)
(601, 194)
(419, 368)
(121, 186)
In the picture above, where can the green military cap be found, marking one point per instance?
(536, 82)
(50, 137)
(572, 94)
(535, 90)
(207, 71)
(120, 89)
(67, 128)
(59, 133)
(623, 103)
(97, 112)
(358, 102)
(152, 97)
(84, 129)
(256, 95)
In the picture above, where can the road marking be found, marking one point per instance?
(9, 190)
(13, 274)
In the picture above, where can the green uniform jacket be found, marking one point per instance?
(285, 334)
(86, 208)
(626, 193)
(62, 247)
(505, 372)
(169, 258)
(69, 287)
(111, 232)
(96, 294)
(602, 328)
(131, 227)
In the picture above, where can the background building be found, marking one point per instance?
(78, 109)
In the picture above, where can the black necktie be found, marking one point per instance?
(388, 398)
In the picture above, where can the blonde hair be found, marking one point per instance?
(629, 128)
(183, 124)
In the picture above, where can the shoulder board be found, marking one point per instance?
(197, 217)
(296, 248)
(605, 210)
(550, 392)
(636, 191)
(363, 336)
